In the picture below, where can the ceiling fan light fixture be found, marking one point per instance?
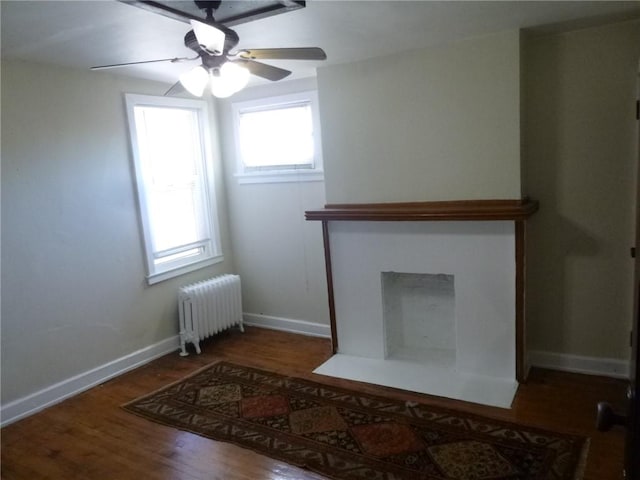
(209, 38)
(237, 74)
(220, 88)
(195, 80)
(228, 79)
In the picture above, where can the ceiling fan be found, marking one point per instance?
(224, 71)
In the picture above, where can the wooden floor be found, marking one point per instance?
(90, 437)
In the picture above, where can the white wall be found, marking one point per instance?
(441, 123)
(581, 158)
(278, 254)
(74, 295)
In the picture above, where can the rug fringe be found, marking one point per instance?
(582, 460)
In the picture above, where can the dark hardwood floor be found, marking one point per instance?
(90, 437)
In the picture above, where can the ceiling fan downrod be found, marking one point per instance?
(209, 7)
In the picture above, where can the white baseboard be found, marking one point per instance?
(287, 325)
(23, 407)
(607, 367)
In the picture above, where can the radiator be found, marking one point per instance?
(207, 308)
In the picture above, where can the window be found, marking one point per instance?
(278, 139)
(172, 159)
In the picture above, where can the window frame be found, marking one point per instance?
(211, 252)
(279, 173)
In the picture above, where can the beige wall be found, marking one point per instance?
(580, 162)
(278, 254)
(442, 123)
(74, 295)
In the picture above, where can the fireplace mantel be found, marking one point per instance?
(457, 210)
(515, 210)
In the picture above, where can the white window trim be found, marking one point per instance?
(284, 174)
(213, 250)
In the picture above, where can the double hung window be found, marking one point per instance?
(172, 158)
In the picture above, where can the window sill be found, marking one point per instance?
(176, 272)
(281, 176)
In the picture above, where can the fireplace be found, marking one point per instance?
(428, 297)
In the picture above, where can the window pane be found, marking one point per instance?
(170, 152)
(279, 136)
(169, 144)
(175, 218)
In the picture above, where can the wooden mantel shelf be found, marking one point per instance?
(458, 210)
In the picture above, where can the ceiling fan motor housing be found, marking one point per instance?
(231, 39)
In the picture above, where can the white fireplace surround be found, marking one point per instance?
(479, 258)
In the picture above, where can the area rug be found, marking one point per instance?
(348, 435)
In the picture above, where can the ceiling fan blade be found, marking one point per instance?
(211, 39)
(176, 89)
(263, 70)
(118, 65)
(309, 53)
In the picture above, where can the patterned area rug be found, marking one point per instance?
(347, 435)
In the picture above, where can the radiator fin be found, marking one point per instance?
(208, 307)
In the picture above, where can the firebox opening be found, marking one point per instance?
(419, 317)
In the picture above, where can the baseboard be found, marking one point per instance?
(301, 327)
(23, 407)
(607, 367)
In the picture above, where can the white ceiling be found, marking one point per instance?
(81, 34)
